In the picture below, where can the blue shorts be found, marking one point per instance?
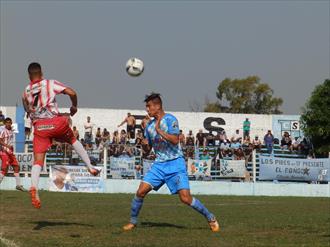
(173, 173)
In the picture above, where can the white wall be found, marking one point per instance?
(204, 188)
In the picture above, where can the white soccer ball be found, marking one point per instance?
(134, 66)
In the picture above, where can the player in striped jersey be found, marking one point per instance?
(40, 104)
(7, 155)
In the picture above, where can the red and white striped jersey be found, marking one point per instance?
(7, 136)
(40, 96)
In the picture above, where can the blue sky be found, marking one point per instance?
(188, 47)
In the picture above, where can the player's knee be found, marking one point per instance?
(185, 199)
(141, 193)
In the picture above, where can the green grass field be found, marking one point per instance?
(76, 219)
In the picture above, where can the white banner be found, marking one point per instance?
(147, 165)
(25, 161)
(232, 168)
(122, 167)
(199, 167)
(272, 168)
(74, 179)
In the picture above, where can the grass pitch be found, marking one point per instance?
(77, 219)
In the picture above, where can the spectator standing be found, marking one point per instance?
(115, 137)
(145, 122)
(190, 139)
(200, 138)
(130, 125)
(27, 127)
(246, 128)
(123, 137)
(269, 141)
(88, 130)
(2, 119)
(75, 132)
(182, 139)
(209, 139)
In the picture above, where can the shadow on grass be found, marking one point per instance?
(159, 224)
(42, 224)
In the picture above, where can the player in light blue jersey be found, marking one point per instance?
(162, 134)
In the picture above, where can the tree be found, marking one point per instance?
(246, 95)
(315, 119)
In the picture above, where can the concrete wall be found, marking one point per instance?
(205, 188)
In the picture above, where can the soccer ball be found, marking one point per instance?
(134, 66)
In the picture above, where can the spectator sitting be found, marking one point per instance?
(295, 146)
(123, 137)
(204, 155)
(144, 122)
(235, 145)
(115, 138)
(236, 136)
(98, 137)
(139, 137)
(190, 139)
(256, 143)
(246, 142)
(286, 141)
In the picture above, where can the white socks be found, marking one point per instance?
(82, 153)
(35, 175)
(18, 179)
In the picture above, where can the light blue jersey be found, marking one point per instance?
(164, 150)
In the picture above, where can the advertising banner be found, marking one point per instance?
(272, 168)
(122, 167)
(74, 179)
(199, 168)
(232, 168)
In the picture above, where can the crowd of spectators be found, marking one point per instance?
(237, 146)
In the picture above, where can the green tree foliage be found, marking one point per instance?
(246, 95)
(316, 118)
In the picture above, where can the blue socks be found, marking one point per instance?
(135, 209)
(198, 206)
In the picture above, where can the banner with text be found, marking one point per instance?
(232, 168)
(200, 168)
(25, 161)
(122, 167)
(272, 168)
(74, 179)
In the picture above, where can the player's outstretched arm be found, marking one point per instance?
(74, 99)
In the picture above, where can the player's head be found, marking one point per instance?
(34, 71)
(8, 123)
(154, 104)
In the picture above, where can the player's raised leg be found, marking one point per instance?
(136, 205)
(193, 202)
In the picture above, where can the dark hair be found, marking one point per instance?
(34, 68)
(155, 97)
(8, 119)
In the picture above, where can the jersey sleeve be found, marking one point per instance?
(58, 87)
(173, 125)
